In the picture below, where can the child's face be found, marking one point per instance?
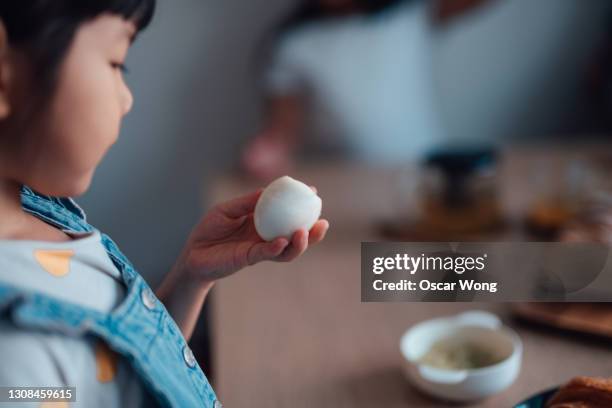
(57, 152)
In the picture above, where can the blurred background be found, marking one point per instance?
(445, 97)
(508, 69)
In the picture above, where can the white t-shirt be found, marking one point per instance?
(78, 271)
(368, 81)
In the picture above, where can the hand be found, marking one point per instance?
(225, 241)
(268, 156)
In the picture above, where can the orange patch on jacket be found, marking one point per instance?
(59, 404)
(106, 362)
(54, 261)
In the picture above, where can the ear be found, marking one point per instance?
(5, 107)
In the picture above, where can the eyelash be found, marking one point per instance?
(121, 67)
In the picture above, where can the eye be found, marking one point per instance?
(120, 66)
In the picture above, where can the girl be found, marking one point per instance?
(73, 311)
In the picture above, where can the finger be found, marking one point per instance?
(240, 206)
(264, 251)
(318, 232)
(299, 243)
(313, 188)
(231, 225)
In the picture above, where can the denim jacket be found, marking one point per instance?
(140, 328)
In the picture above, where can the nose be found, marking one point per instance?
(127, 99)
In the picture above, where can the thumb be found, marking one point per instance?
(265, 251)
(240, 206)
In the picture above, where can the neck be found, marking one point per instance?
(12, 215)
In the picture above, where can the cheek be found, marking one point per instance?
(85, 115)
(67, 142)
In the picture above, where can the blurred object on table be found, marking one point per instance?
(454, 196)
(593, 224)
(512, 194)
(460, 191)
(593, 221)
(587, 318)
(561, 190)
(583, 392)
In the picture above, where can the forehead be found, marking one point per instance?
(108, 29)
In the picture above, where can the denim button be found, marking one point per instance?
(189, 357)
(148, 298)
(217, 404)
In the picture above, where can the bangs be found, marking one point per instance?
(138, 11)
(44, 29)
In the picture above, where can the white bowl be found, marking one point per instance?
(463, 385)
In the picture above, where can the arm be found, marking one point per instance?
(285, 118)
(222, 243)
(270, 152)
(183, 298)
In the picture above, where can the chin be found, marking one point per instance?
(76, 192)
(79, 188)
(74, 188)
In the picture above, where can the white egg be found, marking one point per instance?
(285, 206)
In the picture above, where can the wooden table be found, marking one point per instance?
(297, 335)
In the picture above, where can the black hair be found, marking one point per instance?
(44, 29)
(311, 10)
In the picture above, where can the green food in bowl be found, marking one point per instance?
(455, 354)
